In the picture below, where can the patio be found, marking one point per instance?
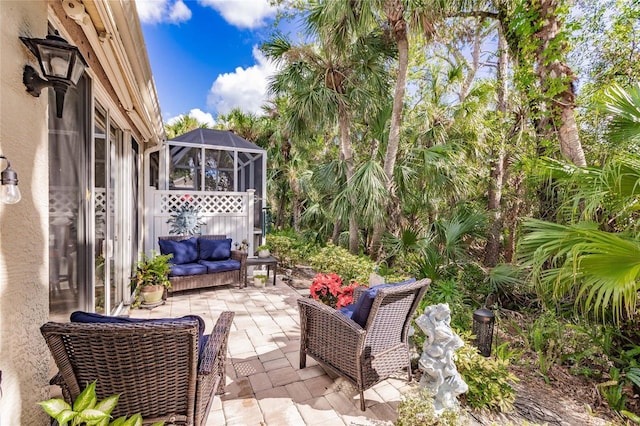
(265, 385)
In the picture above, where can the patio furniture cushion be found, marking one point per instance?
(215, 249)
(184, 251)
(220, 265)
(348, 310)
(187, 269)
(89, 317)
(362, 307)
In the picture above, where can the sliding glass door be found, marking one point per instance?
(115, 206)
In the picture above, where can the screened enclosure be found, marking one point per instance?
(218, 173)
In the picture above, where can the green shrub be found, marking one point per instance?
(490, 382)
(290, 249)
(417, 409)
(337, 259)
(449, 291)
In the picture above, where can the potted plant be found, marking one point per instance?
(263, 251)
(259, 280)
(151, 277)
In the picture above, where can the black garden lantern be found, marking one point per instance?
(483, 320)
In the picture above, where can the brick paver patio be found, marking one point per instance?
(265, 385)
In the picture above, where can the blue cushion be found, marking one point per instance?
(348, 310)
(88, 317)
(220, 265)
(185, 251)
(215, 249)
(365, 301)
(187, 269)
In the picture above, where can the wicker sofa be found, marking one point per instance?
(203, 261)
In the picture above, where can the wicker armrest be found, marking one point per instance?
(357, 292)
(58, 380)
(329, 317)
(239, 255)
(216, 347)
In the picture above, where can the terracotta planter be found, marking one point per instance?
(151, 293)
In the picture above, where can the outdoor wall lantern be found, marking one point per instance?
(61, 64)
(9, 192)
(483, 320)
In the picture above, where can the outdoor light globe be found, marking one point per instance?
(9, 194)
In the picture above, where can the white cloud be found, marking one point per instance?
(245, 88)
(243, 13)
(198, 114)
(156, 11)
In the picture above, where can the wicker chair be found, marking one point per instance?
(364, 356)
(154, 365)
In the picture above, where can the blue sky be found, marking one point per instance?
(204, 54)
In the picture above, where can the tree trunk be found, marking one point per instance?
(335, 237)
(497, 165)
(281, 207)
(347, 154)
(554, 72)
(512, 214)
(296, 204)
(394, 9)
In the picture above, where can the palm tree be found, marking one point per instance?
(596, 261)
(185, 123)
(245, 125)
(325, 84)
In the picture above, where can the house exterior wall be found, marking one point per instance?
(24, 284)
(121, 79)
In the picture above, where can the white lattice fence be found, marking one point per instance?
(223, 213)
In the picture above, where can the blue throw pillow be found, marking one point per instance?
(215, 249)
(348, 310)
(363, 306)
(185, 251)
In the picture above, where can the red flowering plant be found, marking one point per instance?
(328, 289)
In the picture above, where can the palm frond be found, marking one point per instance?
(599, 270)
(625, 107)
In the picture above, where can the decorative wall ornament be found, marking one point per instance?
(440, 374)
(185, 220)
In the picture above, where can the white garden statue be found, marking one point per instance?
(440, 376)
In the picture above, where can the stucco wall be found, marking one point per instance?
(24, 357)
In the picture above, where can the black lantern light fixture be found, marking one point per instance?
(61, 64)
(483, 321)
(9, 192)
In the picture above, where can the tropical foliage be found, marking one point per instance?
(493, 146)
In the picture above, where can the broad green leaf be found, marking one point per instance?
(53, 407)
(86, 399)
(135, 420)
(158, 423)
(108, 404)
(92, 416)
(119, 421)
(65, 416)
